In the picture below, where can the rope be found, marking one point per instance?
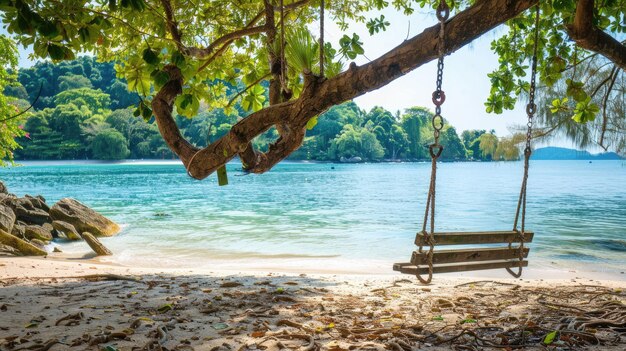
(322, 39)
(531, 108)
(435, 149)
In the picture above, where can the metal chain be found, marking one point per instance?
(282, 47)
(435, 149)
(322, 39)
(531, 108)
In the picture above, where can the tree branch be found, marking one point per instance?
(589, 37)
(319, 94)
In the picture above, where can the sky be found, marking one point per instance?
(465, 80)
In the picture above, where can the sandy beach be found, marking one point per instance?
(48, 304)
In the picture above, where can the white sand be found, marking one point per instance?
(192, 309)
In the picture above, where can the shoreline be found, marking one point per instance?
(537, 271)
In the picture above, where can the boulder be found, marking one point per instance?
(3, 188)
(67, 229)
(7, 218)
(40, 244)
(38, 202)
(24, 247)
(31, 216)
(83, 218)
(96, 245)
(6, 250)
(19, 230)
(36, 232)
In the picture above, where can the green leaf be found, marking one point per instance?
(438, 318)
(160, 78)
(56, 52)
(549, 338)
(48, 29)
(468, 320)
(151, 57)
(178, 59)
(311, 123)
(165, 308)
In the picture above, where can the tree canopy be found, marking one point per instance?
(177, 54)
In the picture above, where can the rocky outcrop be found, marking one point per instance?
(96, 245)
(24, 247)
(66, 229)
(27, 224)
(7, 218)
(83, 218)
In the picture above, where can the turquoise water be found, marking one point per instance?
(364, 216)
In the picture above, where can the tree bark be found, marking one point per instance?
(319, 94)
(589, 37)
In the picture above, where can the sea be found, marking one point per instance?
(327, 217)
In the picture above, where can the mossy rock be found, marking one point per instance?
(83, 218)
(24, 247)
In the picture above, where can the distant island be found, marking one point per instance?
(561, 153)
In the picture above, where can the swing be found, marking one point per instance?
(490, 249)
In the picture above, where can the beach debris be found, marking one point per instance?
(24, 247)
(83, 218)
(70, 319)
(96, 245)
(232, 284)
(66, 229)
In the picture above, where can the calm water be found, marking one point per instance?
(357, 215)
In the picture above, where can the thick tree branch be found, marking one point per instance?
(589, 37)
(319, 94)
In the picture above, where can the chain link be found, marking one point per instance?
(435, 149)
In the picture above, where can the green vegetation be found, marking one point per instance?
(9, 119)
(88, 114)
(210, 58)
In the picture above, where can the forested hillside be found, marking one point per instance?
(84, 111)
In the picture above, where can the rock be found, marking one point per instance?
(19, 230)
(83, 218)
(3, 188)
(31, 216)
(7, 218)
(56, 249)
(67, 229)
(6, 250)
(22, 246)
(38, 202)
(96, 245)
(36, 232)
(40, 244)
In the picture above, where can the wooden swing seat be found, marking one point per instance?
(467, 259)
